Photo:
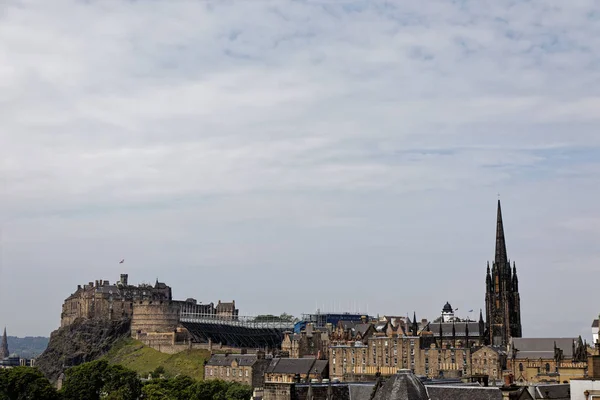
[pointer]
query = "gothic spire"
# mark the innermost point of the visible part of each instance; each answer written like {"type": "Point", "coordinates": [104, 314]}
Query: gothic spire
{"type": "Point", "coordinates": [4, 346]}
{"type": "Point", "coordinates": [501, 257]}
{"type": "Point", "coordinates": [415, 325]}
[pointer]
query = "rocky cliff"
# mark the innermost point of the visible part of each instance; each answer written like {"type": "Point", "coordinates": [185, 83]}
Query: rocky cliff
{"type": "Point", "coordinates": [82, 341]}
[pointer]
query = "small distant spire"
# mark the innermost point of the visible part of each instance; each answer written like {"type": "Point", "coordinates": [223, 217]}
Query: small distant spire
{"type": "Point", "coordinates": [4, 346]}
{"type": "Point", "coordinates": [415, 325]}
{"type": "Point", "coordinates": [480, 315]}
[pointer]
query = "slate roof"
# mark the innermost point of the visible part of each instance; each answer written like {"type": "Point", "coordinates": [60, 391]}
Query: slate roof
{"type": "Point", "coordinates": [460, 329]}
{"type": "Point", "coordinates": [301, 366]}
{"type": "Point", "coordinates": [225, 360]}
{"type": "Point", "coordinates": [556, 392]}
{"type": "Point", "coordinates": [360, 391]}
{"type": "Point", "coordinates": [595, 323]}
{"type": "Point", "coordinates": [534, 348]}
{"type": "Point", "coordinates": [361, 329]}
{"type": "Point", "coordinates": [442, 392]}
{"type": "Point", "coordinates": [402, 386]}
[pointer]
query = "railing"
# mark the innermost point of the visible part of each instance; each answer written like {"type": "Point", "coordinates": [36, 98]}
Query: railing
{"type": "Point", "coordinates": [237, 320]}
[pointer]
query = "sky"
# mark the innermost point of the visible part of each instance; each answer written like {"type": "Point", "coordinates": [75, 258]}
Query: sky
{"type": "Point", "coordinates": [295, 155]}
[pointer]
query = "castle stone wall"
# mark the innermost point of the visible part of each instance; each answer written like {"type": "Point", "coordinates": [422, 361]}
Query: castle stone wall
{"type": "Point", "coordinates": [155, 317]}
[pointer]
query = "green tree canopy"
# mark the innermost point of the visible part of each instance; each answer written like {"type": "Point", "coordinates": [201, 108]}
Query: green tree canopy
{"type": "Point", "coordinates": [98, 379]}
{"type": "Point", "coordinates": [24, 383]}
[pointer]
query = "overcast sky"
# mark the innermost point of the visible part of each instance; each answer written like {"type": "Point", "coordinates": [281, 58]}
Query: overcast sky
{"type": "Point", "coordinates": [300, 154]}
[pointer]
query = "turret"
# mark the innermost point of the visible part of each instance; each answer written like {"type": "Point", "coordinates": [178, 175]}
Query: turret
{"type": "Point", "coordinates": [515, 280]}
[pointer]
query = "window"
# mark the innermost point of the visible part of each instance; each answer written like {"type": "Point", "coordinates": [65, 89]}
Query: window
{"type": "Point", "coordinates": [547, 367]}
{"type": "Point", "coordinates": [521, 367]}
{"type": "Point", "coordinates": [211, 372]}
{"type": "Point", "coordinates": [246, 373]}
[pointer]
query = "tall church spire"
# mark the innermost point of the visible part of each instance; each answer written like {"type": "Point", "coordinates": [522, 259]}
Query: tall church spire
{"type": "Point", "coordinates": [4, 346]}
{"type": "Point", "coordinates": [502, 300]}
{"type": "Point", "coordinates": [501, 257]}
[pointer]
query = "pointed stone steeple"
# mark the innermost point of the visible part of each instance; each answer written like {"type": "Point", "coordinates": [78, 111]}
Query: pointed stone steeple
{"type": "Point", "coordinates": [501, 257]}
{"type": "Point", "coordinates": [502, 300]}
{"type": "Point", "coordinates": [4, 346]}
{"type": "Point", "coordinates": [415, 325]}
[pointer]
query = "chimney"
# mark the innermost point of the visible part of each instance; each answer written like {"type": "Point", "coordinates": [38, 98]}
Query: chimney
{"type": "Point", "coordinates": [78, 287]}
{"type": "Point", "coordinates": [260, 355]}
{"type": "Point", "coordinates": [124, 279]}
{"type": "Point", "coordinates": [106, 283]}
{"type": "Point", "coordinates": [508, 380]}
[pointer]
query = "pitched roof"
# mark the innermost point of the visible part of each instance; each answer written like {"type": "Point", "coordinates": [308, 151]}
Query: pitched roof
{"type": "Point", "coordinates": [224, 360]}
{"type": "Point", "coordinates": [444, 392]}
{"type": "Point", "coordinates": [459, 327]}
{"type": "Point", "coordinates": [534, 348]}
{"type": "Point", "coordinates": [302, 366]}
{"type": "Point", "coordinates": [595, 323]}
{"type": "Point", "coordinates": [558, 391]}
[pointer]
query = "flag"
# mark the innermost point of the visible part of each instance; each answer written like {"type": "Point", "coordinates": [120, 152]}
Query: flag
{"type": "Point", "coordinates": [122, 261]}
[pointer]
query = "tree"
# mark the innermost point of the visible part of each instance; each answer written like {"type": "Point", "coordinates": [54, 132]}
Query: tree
{"type": "Point", "coordinates": [24, 383]}
{"type": "Point", "coordinates": [238, 391]}
{"type": "Point", "coordinates": [97, 379]}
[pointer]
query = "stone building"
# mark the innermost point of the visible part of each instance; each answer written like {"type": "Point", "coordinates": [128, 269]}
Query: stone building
{"type": "Point", "coordinates": [502, 300]}
{"type": "Point", "coordinates": [101, 299]}
{"type": "Point", "coordinates": [310, 342]}
{"type": "Point", "coordinates": [247, 369]}
{"type": "Point", "coordinates": [226, 310]}
{"type": "Point", "coordinates": [556, 360]}
{"type": "Point", "coordinates": [290, 370]}
{"type": "Point", "coordinates": [490, 361]}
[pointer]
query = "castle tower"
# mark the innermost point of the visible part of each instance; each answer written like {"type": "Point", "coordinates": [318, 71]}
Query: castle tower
{"type": "Point", "coordinates": [502, 301]}
{"type": "Point", "coordinates": [4, 346]}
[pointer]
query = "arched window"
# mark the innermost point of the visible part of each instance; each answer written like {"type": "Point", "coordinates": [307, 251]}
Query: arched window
{"type": "Point", "coordinates": [521, 367]}
{"type": "Point", "coordinates": [547, 367]}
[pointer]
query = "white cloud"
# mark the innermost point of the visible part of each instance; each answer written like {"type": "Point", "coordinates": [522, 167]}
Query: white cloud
{"type": "Point", "coordinates": [277, 138]}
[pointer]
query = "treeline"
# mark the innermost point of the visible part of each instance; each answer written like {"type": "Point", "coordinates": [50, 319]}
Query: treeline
{"type": "Point", "coordinates": [99, 380]}
{"type": "Point", "coordinates": [27, 347]}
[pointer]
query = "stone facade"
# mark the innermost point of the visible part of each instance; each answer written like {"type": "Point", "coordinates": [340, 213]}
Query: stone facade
{"type": "Point", "coordinates": [247, 369]}
{"type": "Point", "coordinates": [553, 360]}
{"type": "Point", "coordinates": [490, 361]}
{"type": "Point", "coordinates": [308, 343]}
{"type": "Point", "coordinates": [103, 300]}
{"type": "Point", "coordinates": [385, 355]}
